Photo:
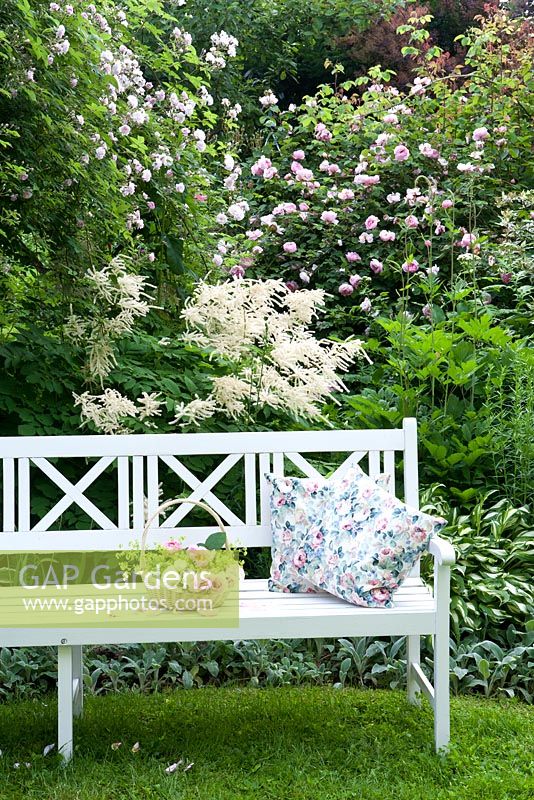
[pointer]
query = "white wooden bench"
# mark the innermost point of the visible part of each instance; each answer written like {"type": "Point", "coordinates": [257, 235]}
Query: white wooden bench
{"type": "Point", "coordinates": [134, 464]}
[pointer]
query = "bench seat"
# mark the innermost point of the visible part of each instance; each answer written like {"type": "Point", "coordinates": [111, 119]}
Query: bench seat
{"type": "Point", "coordinates": [285, 615]}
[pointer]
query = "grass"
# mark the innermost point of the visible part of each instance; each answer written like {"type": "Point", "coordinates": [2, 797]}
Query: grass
{"type": "Point", "coordinates": [281, 744]}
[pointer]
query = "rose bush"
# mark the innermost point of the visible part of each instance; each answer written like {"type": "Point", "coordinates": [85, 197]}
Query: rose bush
{"type": "Point", "coordinates": [374, 188]}
{"type": "Point", "coordinates": [392, 201]}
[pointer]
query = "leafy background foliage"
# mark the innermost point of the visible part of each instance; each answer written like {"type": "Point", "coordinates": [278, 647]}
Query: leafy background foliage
{"type": "Point", "coordinates": [464, 368]}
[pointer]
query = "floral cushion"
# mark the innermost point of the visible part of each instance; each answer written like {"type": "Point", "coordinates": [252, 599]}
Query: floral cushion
{"type": "Point", "coordinates": [347, 536]}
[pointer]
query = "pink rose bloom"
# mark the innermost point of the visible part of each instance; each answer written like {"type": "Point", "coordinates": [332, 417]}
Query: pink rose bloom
{"type": "Point", "coordinates": [299, 559]}
{"type": "Point", "coordinates": [412, 221]}
{"type": "Point", "coordinates": [387, 236]}
{"type": "Point", "coordinates": [506, 277]}
{"type": "Point", "coordinates": [371, 222]}
{"type": "Point", "coordinates": [172, 544]}
{"type": "Point", "coordinates": [411, 266]}
{"type": "Point", "coordinates": [352, 256]}
{"type": "Point", "coordinates": [394, 197]}
{"type": "Point", "coordinates": [303, 174]}
{"type": "Point", "coordinates": [366, 305]}
{"type": "Point", "coordinates": [401, 152]}
{"type": "Point", "coordinates": [253, 235]}
{"type": "Point", "coordinates": [367, 180]}
{"type": "Point", "coordinates": [346, 194]}
{"type": "Point", "coordinates": [391, 119]}
{"type": "Point", "coordinates": [260, 166]}
{"type": "Point", "coordinates": [355, 280]}
{"type": "Point", "coordinates": [426, 149]}
{"type": "Point", "coordinates": [467, 240]}
{"type": "Point", "coordinates": [304, 207]}
{"type": "Point", "coordinates": [238, 271]}
{"type": "Point", "coordinates": [480, 134]}
{"type": "Point", "coordinates": [447, 204]}
{"type": "Point", "coordinates": [365, 238]}
{"type": "Point", "coordinates": [382, 139]}
{"type": "Point", "coordinates": [290, 247]}
{"type": "Point", "coordinates": [296, 166]}
{"type": "Point", "coordinates": [427, 311]}
{"type": "Point", "coordinates": [376, 266]}
{"type": "Point", "coordinates": [322, 133]}
{"type": "Point", "coordinates": [330, 217]}
{"type": "Point", "coordinates": [345, 289]}
{"type": "Point", "coordinates": [292, 286]}
{"type": "Point", "coordinates": [299, 155]}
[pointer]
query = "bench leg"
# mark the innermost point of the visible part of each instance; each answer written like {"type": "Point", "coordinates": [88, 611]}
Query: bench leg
{"type": "Point", "coordinates": [65, 702]}
{"type": "Point", "coordinates": [413, 656]}
{"type": "Point", "coordinates": [441, 659]}
{"type": "Point", "coordinates": [77, 679]}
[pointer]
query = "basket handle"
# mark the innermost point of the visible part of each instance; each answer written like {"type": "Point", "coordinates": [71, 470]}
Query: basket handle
{"type": "Point", "coordinates": [177, 502]}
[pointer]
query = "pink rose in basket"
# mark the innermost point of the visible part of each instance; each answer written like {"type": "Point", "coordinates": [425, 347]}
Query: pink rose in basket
{"type": "Point", "coordinates": [172, 544]}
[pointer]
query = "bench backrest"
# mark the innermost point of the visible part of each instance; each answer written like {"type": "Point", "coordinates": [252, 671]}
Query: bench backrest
{"type": "Point", "coordinates": [131, 468]}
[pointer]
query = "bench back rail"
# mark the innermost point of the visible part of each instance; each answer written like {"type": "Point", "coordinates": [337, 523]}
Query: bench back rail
{"type": "Point", "coordinates": [132, 468]}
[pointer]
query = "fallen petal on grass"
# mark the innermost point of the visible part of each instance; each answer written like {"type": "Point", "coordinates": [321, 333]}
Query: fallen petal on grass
{"type": "Point", "coordinates": [173, 767]}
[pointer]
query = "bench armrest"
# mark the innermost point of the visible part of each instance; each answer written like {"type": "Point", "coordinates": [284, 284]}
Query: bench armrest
{"type": "Point", "coordinates": [442, 550]}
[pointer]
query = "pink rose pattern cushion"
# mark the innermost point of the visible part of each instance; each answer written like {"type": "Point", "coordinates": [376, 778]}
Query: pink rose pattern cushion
{"type": "Point", "coordinates": [348, 537]}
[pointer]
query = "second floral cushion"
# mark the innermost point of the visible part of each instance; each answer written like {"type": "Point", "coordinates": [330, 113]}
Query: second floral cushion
{"type": "Point", "coordinates": [349, 537]}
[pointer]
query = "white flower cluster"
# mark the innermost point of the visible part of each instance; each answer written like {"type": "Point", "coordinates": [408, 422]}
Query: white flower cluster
{"type": "Point", "coordinates": [262, 331]}
{"type": "Point", "coordinates": [110, 410]}
{"type": "Point", "coordinates": [119, 298]}
{"type": "Point", "coordinates": [232, 111]}
{"type": "Point", "coordinates": [183, 39]}
{"type": "Point", "coordinates": [268, 99]}
{"type": "Point", "coordinates": [223, 46]}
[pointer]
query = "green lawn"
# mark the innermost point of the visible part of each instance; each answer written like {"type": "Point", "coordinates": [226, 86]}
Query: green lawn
{"type": "Point", "coordinates": [291, 744]}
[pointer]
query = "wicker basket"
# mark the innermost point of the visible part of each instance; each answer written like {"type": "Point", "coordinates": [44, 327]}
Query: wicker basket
{"type": "Point", "coordinates": [169, 597]}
